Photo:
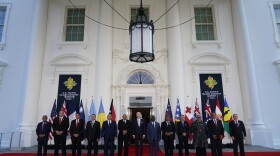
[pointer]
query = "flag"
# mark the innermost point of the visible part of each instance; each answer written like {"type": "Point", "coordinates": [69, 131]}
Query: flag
{"type": "Point", "coordinates": [53, 115]}
{"type": "Point", "coordinates": [112, 111]}
{"type": "Point", "coordinates": [101, 114]}
{"type": "Point", "coordinates": [169, 111]}
{"type": "Point", "coordinates": [196, 110]}
{"type": "Point", "coordinates": [189, 118]}
{"type": "Point", "coordinates": [81, 110]}
{"type": "Point", "coordinates": [208, 111]}
{"type": "Point", "coordinates": [218, 110]}
{"type": "Point", "coordinates": [91, 111]}
{"type": "Point", "coordinates": [227, 116]}
{"type": "Point", "coordinates": [64, 109]}
{"type": "Point", "coordinates": [178, 112]}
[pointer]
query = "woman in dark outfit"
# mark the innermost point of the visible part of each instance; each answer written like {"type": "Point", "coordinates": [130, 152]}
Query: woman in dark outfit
{"type": "Point", "coordinates": [199, 130]}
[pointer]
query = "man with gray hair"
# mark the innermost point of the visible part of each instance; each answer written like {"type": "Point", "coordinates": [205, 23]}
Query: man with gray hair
{"type": "Point", "coordinates": [139, 132]}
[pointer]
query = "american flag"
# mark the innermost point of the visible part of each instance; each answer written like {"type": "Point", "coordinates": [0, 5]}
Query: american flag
{"type": "Point", "coordinates": [169, 111]}
{"type": "Point", "coordinates": [52, 117]}
{"type": "Point", "coordinates": [64, 109]}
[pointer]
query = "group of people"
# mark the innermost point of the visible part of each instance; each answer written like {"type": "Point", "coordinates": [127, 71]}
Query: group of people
{"type": "Point", "coordinates": [139, 130]}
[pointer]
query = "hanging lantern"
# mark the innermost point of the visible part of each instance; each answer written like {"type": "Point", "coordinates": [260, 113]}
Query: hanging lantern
{"type": "Point", "coordinates": [141, 38]}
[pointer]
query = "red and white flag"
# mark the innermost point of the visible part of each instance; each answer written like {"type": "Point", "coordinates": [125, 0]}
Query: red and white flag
{"type": "Point", "coordinates": [196, 109]}
{"type": "Point", "coordinates": [189, 118]}
{"type": "Point", "coordinates": [218, 110]}
{"type": "Point", "coordinates": [207, 109]}
{"type": "Point", "coordinates": [64, 109]}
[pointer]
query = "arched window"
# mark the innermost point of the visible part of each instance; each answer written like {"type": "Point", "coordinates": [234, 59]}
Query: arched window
{"type": "Point", "coordinates": [140, 78]}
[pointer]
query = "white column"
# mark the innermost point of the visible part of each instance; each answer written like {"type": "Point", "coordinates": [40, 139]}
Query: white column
{"type": "Point", "coordinates": [34, 63]}
{"type": "Point", "coordinates": [257, 132]}
{"type": "Point", "coordinates": [175, 57]}
{"type": "Point", "coordinates": [104, 57]}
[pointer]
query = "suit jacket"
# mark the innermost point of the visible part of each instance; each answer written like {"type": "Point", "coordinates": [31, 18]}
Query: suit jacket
{"type": "Point", "coordinates": [93, 130]}
{"type": "Point", "coordinates": [46, 129]}
{"type": "Point", "coordinates": [183, 128]}
{"type": "Point", "coordinates": [153, 132]}
{"type": "Point", "coordinates": [63, 126]}
{"type": "Point", "coordinates": [109, 131]}
{"type": "Point", "coordinates": [124, 126]}
{"type": "Point", "coordinates": [215, 130]}
{"type": "Point", "coordinates": [77, 130]}
{"type": "Point", "coordinates": [138, 131]}
{"type": "Point", "coordinates": [237, 131]}
{"type": "Point", "coordinates": [169, 128]}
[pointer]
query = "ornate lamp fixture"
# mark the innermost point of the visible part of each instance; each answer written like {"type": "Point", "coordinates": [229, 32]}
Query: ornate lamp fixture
{"type": "Point", "coordinates": [141, 38]}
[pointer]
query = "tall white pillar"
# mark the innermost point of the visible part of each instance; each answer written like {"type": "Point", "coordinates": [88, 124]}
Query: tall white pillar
{"type": "Point", "coordinates": [257, 132]}
{"type": "Point", "coordinates": [103, 84]}
{"type": "Point", "coordinates": [34, 63]}
{"type": "Point", "coordinates": [175, 57]}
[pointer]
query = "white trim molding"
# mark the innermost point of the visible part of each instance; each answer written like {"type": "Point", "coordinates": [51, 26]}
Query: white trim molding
{"type": "Point", "coordinates": [74, 62]}
{"type": "Point", "coordinates": [2, 65]}
{"type": "Point", "coordinates": [131, 68]}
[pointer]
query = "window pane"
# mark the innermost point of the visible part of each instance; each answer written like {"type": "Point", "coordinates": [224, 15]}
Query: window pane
{"type": "Point", "coordinates": [75, 24]}
{"type": "Point", "coordinates": [134, 12]}
{"type": "Point", "coordinates": [204, 24]}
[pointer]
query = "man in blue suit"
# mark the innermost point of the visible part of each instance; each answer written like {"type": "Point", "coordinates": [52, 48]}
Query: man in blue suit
{"type": "Point", "coordinates": [43, 129]}
{"type": "Point", "coordinates": [153, 135]}
{"type": "Point", "coordinates": [109, 134]}
{"type": "Point", "coordinates": [138, 132]}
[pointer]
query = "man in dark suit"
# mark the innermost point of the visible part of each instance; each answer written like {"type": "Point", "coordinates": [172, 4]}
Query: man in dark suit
{"type": "Point", "coordinates": [216, 132]}
{"type": "Point", "coordinates": [43, 129]}
{"type": "Point", "coordinates": [76, 131]}
{"type": "Point", "coordinates": [168, 135]}
{"type": "Point", "coordinates": [153, 136]}
{"type": "Point", "coordinates": [109, 134]}
{"type": "Point", "coordinates": [93, 135]}
{"type": "Point", "coordinates": [237, 133]}
{"type": "Point", "coordinates": [138, 133]}
{"type": "Point", "coordinates": [60, 127]}
{"type": "Point", "coordinates": [183, 130]}
{"type": "Point", "coordinates": [124, 127]}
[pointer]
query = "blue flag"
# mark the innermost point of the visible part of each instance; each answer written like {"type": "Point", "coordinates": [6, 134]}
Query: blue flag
{"type": "Point", "coordinates": [91, 110]}
{"type": "Point", "coordinates": [169, 111]}
{"type": "Point", "coordinates": [81, 110]}
{"type": "Point", "coordinates": [178, 112]}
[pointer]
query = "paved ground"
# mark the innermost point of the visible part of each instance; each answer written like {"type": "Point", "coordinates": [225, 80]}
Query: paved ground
{"type": "Point", "coordinates": [248, 148]}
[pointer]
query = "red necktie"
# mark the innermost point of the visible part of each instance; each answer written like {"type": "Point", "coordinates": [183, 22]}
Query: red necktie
{"type": "Point", "coordinates": [60, 120]}
{"type": "Point", "coordinates": [216, 123]}
{"type": "Point", "coordinates": [77, 123]}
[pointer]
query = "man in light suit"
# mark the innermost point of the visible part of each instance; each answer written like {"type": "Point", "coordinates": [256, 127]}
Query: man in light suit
{"type": "Point", "coordinates": [183, 130]}
{"type": "Point", "coordinates": [43, 129]}
{"type": "Point", "coordinates": [93, 135]}
{"type": "Point", "coordinates": [168, 135]}
{"type": "Point", "coordinates": [109, 134]}
{"type": "Point", "coordinates": [216, 132]}
{"type": "Point", "coordinates": [139, 132]}
{"type": "Point", "coordinates": [76, 131]}
{"type": "Point", "coordinates": [153, 136]}
{"type": "Point", "coordinates": [124, 127]}
{"type": "Point", "coordinates": [60, 126]}
{"type": "Point", "coordinates": [237, 133]}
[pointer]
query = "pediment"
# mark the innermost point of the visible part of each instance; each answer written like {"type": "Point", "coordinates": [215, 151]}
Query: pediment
{"type": "Point", "coordinates": [209, 59]}
{"type": "Point", "coordinates": [70, 60]}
